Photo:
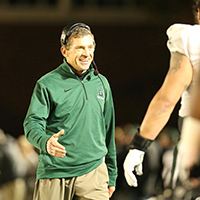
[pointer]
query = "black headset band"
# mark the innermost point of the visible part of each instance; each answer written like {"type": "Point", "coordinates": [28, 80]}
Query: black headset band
{"type": "Point", "coordinates": [67, 31]}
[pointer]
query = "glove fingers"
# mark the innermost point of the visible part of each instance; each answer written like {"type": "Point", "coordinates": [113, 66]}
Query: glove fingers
{"type": "Point", "coordinates": [133, 161]}
{"type": "Point", "coordinates": [130, 178]}
{"type": "Point", "coordinates": [138, 169]}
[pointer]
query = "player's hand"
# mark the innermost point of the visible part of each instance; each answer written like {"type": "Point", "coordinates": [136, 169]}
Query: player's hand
{"type": "Point", "coordinates": [54, 147]}
{"type": "Point", "coordinates": [133, 161]}
{"type": "Point", "coordinates": [111, 190]}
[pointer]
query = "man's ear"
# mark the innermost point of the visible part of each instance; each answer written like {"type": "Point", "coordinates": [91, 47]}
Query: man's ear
{"type": "Point", "coordinates": [63, 50]}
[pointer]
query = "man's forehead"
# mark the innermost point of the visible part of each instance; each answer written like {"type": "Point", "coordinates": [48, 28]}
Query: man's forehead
{"type": "Point", "coordinates": [85, 40]}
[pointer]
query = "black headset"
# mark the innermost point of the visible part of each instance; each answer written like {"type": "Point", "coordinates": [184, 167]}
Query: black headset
{"type": "Point", "coordinates": [68, 30]}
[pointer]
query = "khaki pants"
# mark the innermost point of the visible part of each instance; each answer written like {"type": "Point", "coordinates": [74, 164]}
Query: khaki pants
{"type": "Point", "coordinates": [91, 186]}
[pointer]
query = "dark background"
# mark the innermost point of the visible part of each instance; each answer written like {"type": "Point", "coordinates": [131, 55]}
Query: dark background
{"type": "Point", "coordinates": [133, 56]}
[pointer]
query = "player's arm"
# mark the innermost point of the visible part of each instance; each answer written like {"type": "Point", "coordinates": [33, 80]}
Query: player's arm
{"type": "Point", "coordinates": [178, 78]}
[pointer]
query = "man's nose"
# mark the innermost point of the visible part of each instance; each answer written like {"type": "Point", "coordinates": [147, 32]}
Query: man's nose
{"type": "Point", "coordinates": [86, 52]}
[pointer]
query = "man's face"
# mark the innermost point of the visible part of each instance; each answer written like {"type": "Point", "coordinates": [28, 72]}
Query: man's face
{"type": "Point", "coordinates": [80, 53]}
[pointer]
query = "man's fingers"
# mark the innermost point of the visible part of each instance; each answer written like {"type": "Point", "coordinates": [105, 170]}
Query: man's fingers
{"type": "Point", "coordinates": [111, 189]}
{"type": "Point", "coordinates": [57, 135]}
{"type": "Point", "coordinates": [57, 145]}
{"type": "Point", "coordinates": [58, 148]}
{"type": "Point", "coordinates": [54, 147]}
{"type": "Point", "coordinates": [55, 151]}
{"type": "Point", "coordinates": [130, 178]}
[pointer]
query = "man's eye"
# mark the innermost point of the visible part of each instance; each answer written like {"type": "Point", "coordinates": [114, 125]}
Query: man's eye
{"type": "Point", "coordinates": [91, 48]}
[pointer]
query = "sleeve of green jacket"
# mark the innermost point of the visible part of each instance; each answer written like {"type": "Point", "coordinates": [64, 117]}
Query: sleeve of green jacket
{"type": "Point", "coordinates": [110, 158]}
{"type": "Point", "coordinates": [35, 120]}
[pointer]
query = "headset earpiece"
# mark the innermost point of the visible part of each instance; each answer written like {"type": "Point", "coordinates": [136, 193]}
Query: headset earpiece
{"type": "Point", "coordinates": [69, 29]}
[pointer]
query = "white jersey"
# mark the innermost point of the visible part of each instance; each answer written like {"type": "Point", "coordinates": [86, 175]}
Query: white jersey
{"type": "Point", "coordinates": [185, 39]}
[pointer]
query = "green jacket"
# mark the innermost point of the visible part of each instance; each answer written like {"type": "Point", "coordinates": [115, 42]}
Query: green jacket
{"type": "Point", "coordinates": [85, 111]}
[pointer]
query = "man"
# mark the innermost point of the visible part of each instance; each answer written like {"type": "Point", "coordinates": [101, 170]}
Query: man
{"type": "Point", "coordinates": [184, 45]}
{"type": "Point", "coordinates": [71, 121]}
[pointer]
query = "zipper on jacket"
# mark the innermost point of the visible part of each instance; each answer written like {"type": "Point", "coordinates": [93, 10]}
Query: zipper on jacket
{"type": "Point", "coordinates": [84, 89]}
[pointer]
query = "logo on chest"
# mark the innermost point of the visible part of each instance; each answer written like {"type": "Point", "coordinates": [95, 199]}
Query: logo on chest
{"type": "Point", "coordinates": [100, 94]}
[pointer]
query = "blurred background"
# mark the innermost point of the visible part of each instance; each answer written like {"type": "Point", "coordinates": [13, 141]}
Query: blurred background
{"type": "Point", "coordinates": [131, 50]}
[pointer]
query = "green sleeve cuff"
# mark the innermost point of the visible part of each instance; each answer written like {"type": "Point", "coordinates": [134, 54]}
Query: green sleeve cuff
{"type": "Point", "coordinates": [112, 180]}
{"type": "Point", "coordinates": [43, 142]}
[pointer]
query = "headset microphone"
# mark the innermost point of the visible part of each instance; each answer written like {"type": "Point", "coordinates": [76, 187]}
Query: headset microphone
{"type": "Point", "coordinates": [96, 71]}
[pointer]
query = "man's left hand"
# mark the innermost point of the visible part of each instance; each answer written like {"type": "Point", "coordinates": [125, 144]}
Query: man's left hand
{"type": "Point", "coordinates": [111, 189]}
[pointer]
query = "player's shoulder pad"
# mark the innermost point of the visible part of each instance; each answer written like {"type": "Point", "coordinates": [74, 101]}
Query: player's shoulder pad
{"type": "Point", "coordinates": [178, 37]}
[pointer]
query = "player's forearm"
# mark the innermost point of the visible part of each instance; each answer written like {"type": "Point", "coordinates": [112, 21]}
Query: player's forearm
{"type": "Point", "coordinates": [156, 117]}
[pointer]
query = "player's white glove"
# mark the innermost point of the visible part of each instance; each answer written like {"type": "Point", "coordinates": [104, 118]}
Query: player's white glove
{"type": "Point", "coordinates": [133, 161]}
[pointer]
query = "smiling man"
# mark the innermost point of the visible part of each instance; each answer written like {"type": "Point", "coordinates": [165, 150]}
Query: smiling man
{"type": "Point", "coordinates": [71, 121]}
{"type": "Point", "coordinates": [80, 52]}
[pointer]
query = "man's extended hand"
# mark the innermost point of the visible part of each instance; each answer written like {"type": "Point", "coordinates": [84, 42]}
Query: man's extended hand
{"type": "Point", "coordinates": [133, 161]}
{"type": "Point", "coordinates": [54, 147]}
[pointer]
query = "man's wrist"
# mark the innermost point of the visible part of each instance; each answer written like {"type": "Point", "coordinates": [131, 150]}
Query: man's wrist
{"type": "Point", "coordinates": [140, 142]}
